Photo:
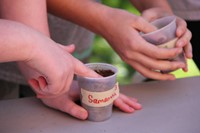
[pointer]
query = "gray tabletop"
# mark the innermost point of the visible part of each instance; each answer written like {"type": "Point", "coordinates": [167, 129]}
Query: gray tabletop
{"type": "Point", "coordinates": [168, 107]}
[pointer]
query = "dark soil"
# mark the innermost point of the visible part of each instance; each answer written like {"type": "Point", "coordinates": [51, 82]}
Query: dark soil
{"type": "Point", "coordinates": [104, 73]}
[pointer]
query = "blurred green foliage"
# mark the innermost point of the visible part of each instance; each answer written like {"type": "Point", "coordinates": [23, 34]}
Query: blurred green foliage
{"type": "Point", "coordinates": [123, 4]}
{"type": "Point", "coordinates": [102, 52]}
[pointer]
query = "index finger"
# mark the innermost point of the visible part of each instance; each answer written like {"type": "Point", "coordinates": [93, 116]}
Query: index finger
{"type": "Point", "coordinates": [153, 51]}
{"type": "Point", "coordinates": [82, 70]}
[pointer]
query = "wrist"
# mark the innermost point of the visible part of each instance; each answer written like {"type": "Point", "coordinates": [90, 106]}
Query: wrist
{"type": "Point", "coordinates": [106, 20]}
{"type": "Point", "coordinates": [94, 16]}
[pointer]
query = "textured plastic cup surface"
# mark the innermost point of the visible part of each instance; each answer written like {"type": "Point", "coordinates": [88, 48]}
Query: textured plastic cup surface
{"type": "Point", "coordinates": [166, 31]}
{"type": "Point", "coordinates": [98, 85]}
{"type": "Point", "coordinates": [165, 36]}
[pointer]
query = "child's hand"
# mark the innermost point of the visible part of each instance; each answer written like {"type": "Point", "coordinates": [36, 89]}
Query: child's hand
{"type": "Point", "coordinates": [66, 103]}
{"type": "Point", "coordinates": [127, 104]}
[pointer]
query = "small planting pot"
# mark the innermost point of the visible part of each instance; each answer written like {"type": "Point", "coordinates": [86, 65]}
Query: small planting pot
{"type": "Point", "coordinates": [165, 36]}
{"type": "Point", "coordinates": [98, 94]}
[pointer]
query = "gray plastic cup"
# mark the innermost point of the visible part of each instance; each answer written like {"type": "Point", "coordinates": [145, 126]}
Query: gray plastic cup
{"type": "Point", "coordinates": [98, 94]}
{"type": "Point", "coordinates": [164, 36]}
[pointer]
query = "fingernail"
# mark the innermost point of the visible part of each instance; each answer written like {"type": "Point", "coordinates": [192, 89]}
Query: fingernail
{"type": "Point", "coordinates": [179, 50]}
{"type": "Point", "coordinates": [139, 106]}
{"type": "Point", "coordinates": [82, 114]}
{"type": "Point", "coordinates": [190, 55]}
{"type": "Point", "coordinates": [185, 69]}
{"type": "Point", "coordinates": [172, 78]}
{"type": "Point", "coordinates": [182, 65]}
{"type": "Point", "coordinates": [180, 44]}
{"type": "Point", "coordinates": [134, 99]}
{"type": "Point", "coordinates": [131, 109]}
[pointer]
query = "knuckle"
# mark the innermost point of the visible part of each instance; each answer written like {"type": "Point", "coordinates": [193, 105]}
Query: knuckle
{"type": "Point", "coordinates": [127, 55]}
{"type": "Point", "coordinates": [189, 34]}
{"type": "Point", "coordinates": [172, 55]}
{"type": "Point", "coordinates": [85, 70]}
{"type": "Point", "coordinates": [130, 56]}
{"type": "Point", "coordinates": [184, 23]}
{"type": "Point", "coordinates": [139, 20]}
{"type": "Point", "coordinates": [172, 66]}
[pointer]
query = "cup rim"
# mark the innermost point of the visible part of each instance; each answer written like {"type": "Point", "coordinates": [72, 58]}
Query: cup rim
{"type": "Point", "coordinates": [168, 25]}
{"type": "Point", "coordinates": [112, 66]}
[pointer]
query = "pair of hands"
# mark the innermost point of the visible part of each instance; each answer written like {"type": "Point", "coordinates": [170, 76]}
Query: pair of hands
{"type": "Point", "coordinates": [59, 91]}
{"type": "Point", "coordinates": [122, 33]}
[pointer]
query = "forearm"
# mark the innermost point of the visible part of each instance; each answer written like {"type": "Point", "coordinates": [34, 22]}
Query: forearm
{"type": "Point", "coordinates": [142, 5]}
{"type": "Point", "coordinates": [16, 41]}
{"type": "Point", "coordinates": [30, 12]}
{"type": "Point", "coordinates": [86, 13]}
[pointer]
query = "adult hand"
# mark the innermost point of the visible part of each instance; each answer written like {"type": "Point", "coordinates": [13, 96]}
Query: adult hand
{"type": "Point", "coordinates": [50, 69]}
{"type": "Point", "coordinates": [121, 30]}
{"type": "Point", "coordinates": [182, 32]}
{"type": "Point", "coordinates": [67, 103]}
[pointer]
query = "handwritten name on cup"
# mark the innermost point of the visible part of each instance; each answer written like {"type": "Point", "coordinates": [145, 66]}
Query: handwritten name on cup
{"type": "Point", "coordinates": [100, 99]}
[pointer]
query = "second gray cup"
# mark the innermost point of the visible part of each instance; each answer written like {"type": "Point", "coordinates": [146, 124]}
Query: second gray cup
{"type": "Point", "coordinates": [164, 36]}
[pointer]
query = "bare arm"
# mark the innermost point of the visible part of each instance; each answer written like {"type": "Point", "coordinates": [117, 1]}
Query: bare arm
{"type": "Point", "coordinates": [30, 12]}
{"type": "Point", "coordinates": [88, 10]}
{"type": "Point", "coordinates": [86, 13]}
{"type": "Point", "coordinates": [120, 28]}
{"type": "Point", "coordinates": [142, 5]}
{"type": "Point", "coordinates": [15, 41]}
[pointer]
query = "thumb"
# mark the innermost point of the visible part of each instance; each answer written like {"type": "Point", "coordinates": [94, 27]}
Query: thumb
{"type": "Point", "coordinates": [144, 26]}
{"type": "Point", "coordinates": [36, 87]}
{"type": "Point", "coordinates": [40, 87]}
{"type": "Point", "coordinates": [65, 104]}
{"type": "Point", "coordinates": [82, 70]}
{"type": "Point", "coordinates": [75, 110]}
